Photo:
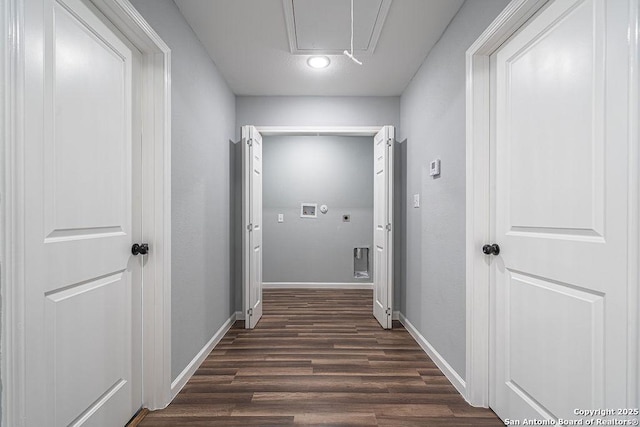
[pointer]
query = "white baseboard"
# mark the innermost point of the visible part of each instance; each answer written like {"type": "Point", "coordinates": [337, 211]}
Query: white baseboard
{"type": "Point", "coordinates": [442, 364]}
{"type": "Point", "coordinates": [192, 367]}
{"type": "Point", "coordinates": [315, 285]}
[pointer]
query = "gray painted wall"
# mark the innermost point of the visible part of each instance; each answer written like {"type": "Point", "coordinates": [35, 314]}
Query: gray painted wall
{"type": "Point", "coordinates": [433, 124]}
{"type": "Point", "coordinates": [331, 170]}
{"type": "Point", "coordinates": [318, 110]}
{"type": "Point", "coordinates": [203, 122]}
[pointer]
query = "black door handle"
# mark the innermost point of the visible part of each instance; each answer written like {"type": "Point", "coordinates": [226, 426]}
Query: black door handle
{"type": "Point", "coordinates": [491, 249]}
{"type": "Point", "coordinates": [140, 249]}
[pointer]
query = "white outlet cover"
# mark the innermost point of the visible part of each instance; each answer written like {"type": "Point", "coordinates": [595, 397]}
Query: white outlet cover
{"type": "Point", "coordinates": [434, 167]}
{"type": "Point", "coordinates": [280, 217]}
{"type": "Point", "coordinates": [416, 200]}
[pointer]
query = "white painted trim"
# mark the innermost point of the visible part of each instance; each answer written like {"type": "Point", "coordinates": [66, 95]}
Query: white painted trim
{"type": "Point", "coordinates": [315, 285]}
{"type": "Point", "coordinates": [156, 197]}
{"type": "Point", "coordinates": [633, 360]}
{"type": "Point", "coordinates": [12, 216]}
{"type": "Point", "coordinates": [157, 228]}
{"type": "Point", "coordinates": [455, 379]}
{"type": "Point", "coordinates": [319, 130]}
{"type": "Point", "coordinates": [290, 23]}
{"type": "Point", "coordinates": [478, 114]}
{"type": "Point", "coordinates": [193, 366]}
{"type": "Point", "coordinates": [289, 18]}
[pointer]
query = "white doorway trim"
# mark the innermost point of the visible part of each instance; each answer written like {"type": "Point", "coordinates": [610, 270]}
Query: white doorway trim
{"type": "Point", "coordinates": [315, 131]}
{"type": "Point", "coordinates": [319, 130]}
{"type": "Point", "coordinates": [479, 202]}
{"type": "Point", "coordinates": [156, 149]}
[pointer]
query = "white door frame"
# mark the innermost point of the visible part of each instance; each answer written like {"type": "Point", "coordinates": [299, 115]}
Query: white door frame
{"type": "Point", "coordinates": [156, 154]}
{"type": "Point", "coordinates": [478, 197]}
{"type": "Point", "coordinates": [319, 130]}
{"type": "Point", "coordinates": [316, 131]}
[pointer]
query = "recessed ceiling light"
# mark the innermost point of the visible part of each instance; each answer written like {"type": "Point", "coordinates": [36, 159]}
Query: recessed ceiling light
{"type": "Point", "coordinates": [318, 62]}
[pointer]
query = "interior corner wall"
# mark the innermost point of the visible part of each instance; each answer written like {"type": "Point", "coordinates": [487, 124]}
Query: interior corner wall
{"type": "Point", "coordinates": [203, 126]}
{"type": "Point", "coordinates": [433, 125]}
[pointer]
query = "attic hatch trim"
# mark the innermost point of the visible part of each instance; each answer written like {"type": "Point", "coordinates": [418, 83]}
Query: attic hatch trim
{"type": "Point", "coordinates": [373, 42]}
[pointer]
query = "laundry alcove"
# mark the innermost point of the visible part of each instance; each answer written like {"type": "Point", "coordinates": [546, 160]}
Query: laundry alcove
{"type": "Point", "coordinates": [329, 170]}
{"type": "Point", "coordinates": [346, 176]}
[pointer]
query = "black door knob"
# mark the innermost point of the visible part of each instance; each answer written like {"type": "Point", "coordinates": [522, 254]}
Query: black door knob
{"type": "Point", "coordinates": [491, 249]}
{"type": "Point", "coordinates": [140, 249]}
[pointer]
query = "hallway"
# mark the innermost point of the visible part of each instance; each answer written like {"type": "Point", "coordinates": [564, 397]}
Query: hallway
{"type": "Point", "coordinates": [319, 357]}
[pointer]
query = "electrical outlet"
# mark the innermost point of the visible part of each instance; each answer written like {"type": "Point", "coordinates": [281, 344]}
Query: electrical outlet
{"type": "Point", "coordinates": [416, 200]}
{"type": "Point", "coordinates": [280, 217]}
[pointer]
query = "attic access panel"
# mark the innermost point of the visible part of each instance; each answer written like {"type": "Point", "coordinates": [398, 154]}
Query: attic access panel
{"type": "Point", "coordinates": [324, 26]}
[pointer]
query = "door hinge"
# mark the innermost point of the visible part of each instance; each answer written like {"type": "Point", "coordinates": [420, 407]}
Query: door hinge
{"type": "Point", "coordinates": [250, 142]}
{"type": "Point", "coordinates": [250, 312]}
{"type": "Point", "coordinates": [388, 311]}
{"type": "Point", "coordinates": [389, 227]}
{"type": "Point", "coordinates": [250, 227]}
{"type": "Point", "coordinates": [389, 142]}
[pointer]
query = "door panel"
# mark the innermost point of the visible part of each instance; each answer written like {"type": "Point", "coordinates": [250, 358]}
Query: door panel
{"type": "Point", "coordinates": [91, 355]}
{"type": "Point", "coordinates": [561, 332]}
{"type": "Point", "coordinates": [383, 219]}
{"type": "Point", "coordinates": [88, 72]}
{"type": "Point", "coordinates": [79, 188]}
{"type": "Point", "coordinates": [556, 94]}
{"type": "Point", "coordinates": [252, 214]}
{"type": "Point", "coordinates": [561, 184]}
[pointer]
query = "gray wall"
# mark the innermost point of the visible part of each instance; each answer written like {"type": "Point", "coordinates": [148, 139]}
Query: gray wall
{"type": "Point", "coordinates": [203, 122]}
{"type": "Point", "coordinates": [331, 170]}
{"type": "Point", "coordinates": [318, 110]}
{"type": "Point", "coordinates": [433, 123]}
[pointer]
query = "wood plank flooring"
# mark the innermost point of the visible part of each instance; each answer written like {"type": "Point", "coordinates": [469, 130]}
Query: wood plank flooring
{"type": "Point", "coordinates": [318, 357]}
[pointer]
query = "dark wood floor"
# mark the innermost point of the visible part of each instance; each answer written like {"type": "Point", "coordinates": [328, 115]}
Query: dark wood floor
{"type": "Point", "coordinates": [319, 357]}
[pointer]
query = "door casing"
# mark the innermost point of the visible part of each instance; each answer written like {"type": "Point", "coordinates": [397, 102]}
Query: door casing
{"type": "Point", "coordinates": [156, 184]}
{"type": "Point", "coordinates": [318, 131]}
{"type": "Point", "coordinates": [479, 198]}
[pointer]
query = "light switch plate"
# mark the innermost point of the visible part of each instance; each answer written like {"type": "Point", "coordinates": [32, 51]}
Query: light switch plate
{"type": "Point", "coordinates": [434, 167]}
{"type": "Point", "coordinates": [416, 200]}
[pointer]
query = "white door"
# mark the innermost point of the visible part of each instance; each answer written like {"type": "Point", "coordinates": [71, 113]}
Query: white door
{"type": "Point", "coordinates": [252, 224]}
{"type": "Point", "coordinates": [561, 281]}
{"type": "Point", "coordinates": [383, 226]}
{"type": "Point", "coordinates": [81, 278]}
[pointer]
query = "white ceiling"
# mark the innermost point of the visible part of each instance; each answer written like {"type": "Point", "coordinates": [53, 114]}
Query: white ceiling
{"type": "Point", "coordinates": [247, 39]}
